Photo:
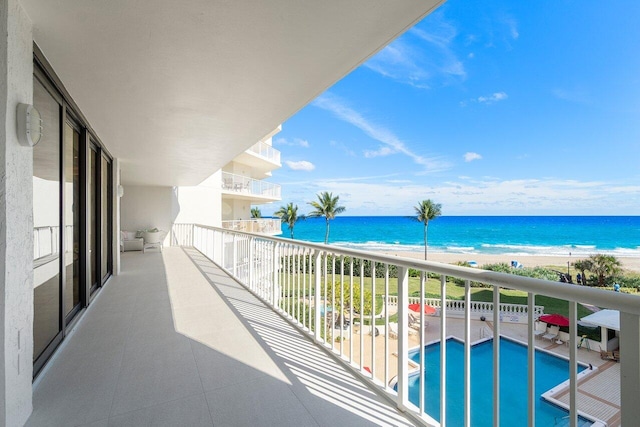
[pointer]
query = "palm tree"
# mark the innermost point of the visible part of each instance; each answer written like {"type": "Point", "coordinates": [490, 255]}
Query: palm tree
{"type": "Point", "coordinates": [255, 213]}
{"type": "Point", "coordinates": [289, 215]}
{"type": "Point", "coordinates": [326, 206]}
{"type": "Point", "coordinates": [604, 266]}
{"type": "Point", "coordinates": [583, 265]}
{"type": "Point", "coordinates": [426, 211]}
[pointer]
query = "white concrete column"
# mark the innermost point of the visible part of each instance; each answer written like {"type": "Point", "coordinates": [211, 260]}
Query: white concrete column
{"type": "Point", "coordinates": [16, 218]}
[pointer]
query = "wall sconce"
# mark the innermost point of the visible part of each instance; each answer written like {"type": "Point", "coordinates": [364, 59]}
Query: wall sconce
{"type": "Point", "coordinates": [120, 191]}
{"type": "Point", "coordinates": [29, 125]}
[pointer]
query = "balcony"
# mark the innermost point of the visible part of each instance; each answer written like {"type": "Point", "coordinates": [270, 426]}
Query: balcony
{"type": "Point", "coordinates": [174, 340]}
{"type": "Point", "coordinates": [297, 279]}
{"type": "Point", "coordinates": [257, 225]}
{"type": "Point", "coordinates": [237, 328]}
{"type": "Point", "coordinates": [261, 157]}
{"type": "Point", "coordinates": [242, 187]}
{"type": "Point", "coordinates": [266, 151]}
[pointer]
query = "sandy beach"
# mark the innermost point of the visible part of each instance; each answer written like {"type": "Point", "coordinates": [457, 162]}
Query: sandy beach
{"type": "Point", "coordinates": [628, 263]}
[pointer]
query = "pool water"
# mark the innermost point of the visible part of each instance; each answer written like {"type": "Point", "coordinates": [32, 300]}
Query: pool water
{"type": "Point", "coordinates": [550, 371]}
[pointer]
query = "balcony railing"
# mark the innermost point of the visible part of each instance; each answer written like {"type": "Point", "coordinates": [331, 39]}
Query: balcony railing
{"type": "Point", "coordinates": [257, 225]}
{"type": "Point", "coordinates": [46, 241]}
{"type": "Point", "coordinates": [267, 151]}
{"type": "Point", "coordinates": [244, 185]}
{"type": "Point", "coordinates": [323, 290]}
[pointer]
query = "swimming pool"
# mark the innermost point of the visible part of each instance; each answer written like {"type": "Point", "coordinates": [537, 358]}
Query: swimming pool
{"type": "Point", "coordinates": [550, 371]}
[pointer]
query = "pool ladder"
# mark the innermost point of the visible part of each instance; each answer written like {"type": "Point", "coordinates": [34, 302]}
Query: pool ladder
{"type": "Point", "coordinates": [486, 332]}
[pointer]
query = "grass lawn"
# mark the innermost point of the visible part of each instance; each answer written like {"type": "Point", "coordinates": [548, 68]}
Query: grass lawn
{"type": "Point", "coordinates": [456, 292]}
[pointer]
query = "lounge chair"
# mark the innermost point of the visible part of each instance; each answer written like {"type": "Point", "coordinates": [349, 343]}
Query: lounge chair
{"type": "Point", "coordinates": [393, 330]}
{"type": "Point", "coordinates": [414, 322]}
{"type": "Point", "coordinates": [565, 338]}
{"type": "Point", "coordinates": [608, 355]}
{"type": "Point", "coordinates": [616, 355]}
{"type": "Point", "coordinates": [540, 329]}
{"type": "Point", "coordinates": [552, 333]}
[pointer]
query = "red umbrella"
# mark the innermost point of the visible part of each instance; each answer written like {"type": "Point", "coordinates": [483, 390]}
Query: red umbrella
{"type": "Point", "coordinates": [554, 319]}
{"type": "Point", "coordinates": [427, 308]}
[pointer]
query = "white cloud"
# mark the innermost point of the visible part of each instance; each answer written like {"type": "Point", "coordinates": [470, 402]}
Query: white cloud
{"type": "Point", "coordinates": [471, 156]}
{"type": "Point", "coordinates": [391, 143]}
{"type": "Point", "coordinates": [296, 142]}
{"type": "Point", "coordinates": [421, 56]}
{"type": "Point", "coordinates": [346, 150]}
{"type": "Point", "coordinates": [301, 165]}
{"type": "Point", "coordinates": [483, 196]}
{"type": "Point", "coordinates": [381, 152]}
{"type": "Point", "coordinates": [497, 96]}
{"type": "Point", "coordinates": [512, 24]}
{"type": "Point", "coordinates": [488, 100]}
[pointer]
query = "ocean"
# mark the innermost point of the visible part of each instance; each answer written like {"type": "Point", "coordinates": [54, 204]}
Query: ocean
{"type": "Point", "coordinates": [508, 235]}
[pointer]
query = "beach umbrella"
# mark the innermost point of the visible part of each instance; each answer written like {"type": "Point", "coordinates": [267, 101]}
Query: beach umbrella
{"type": "Point", "coordinates": [554, 319]}
{"type": "Point", "coordinates": [427, 308]}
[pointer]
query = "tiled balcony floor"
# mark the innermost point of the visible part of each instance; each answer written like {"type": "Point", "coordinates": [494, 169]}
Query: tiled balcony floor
{"type": "Point", "coordinates": [174, 341]}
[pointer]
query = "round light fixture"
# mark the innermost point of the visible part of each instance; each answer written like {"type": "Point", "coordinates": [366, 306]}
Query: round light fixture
{"type": "Point", "coordinates": [29, 125]}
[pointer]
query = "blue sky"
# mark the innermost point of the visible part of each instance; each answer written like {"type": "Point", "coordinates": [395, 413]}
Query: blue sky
{"type": "Point", "coordinates": [489, 108]}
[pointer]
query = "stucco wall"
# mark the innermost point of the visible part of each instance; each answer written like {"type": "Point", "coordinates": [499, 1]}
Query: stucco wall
{"type": "Point", "coordinates": [16, 218]}
{"type": "Point", "coordinates": [201, 204]}
{"type": "Point", "coordinates": [143, 207]}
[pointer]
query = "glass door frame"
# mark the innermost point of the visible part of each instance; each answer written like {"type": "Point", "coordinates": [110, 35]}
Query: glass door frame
{"type": "Point", "coordinates": [103, 276]}
{"type": "Point", "coordinates": [44, 356]}
{"type": "Point", "coordinates": [92, 183]}
{"type": "Point", "coordinates": [70, 120]}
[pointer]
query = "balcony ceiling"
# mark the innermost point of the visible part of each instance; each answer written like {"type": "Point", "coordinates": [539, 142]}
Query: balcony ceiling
{"type": "Point", "coordinates": [176, 89]}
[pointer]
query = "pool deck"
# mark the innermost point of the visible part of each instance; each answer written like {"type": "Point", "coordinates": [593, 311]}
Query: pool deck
{"type": "Point", "coordinates": [598, 394]}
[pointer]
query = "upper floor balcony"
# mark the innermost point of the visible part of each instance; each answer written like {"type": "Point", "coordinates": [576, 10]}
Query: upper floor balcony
{"type": "Point", "coordinates": [256, 225]}
{"type": "Point", "coordinates": [261, 157]}
{"type": "Point", "coordinates": [242, 187]}
{"type": "Point", "coordinates": [244, 329]}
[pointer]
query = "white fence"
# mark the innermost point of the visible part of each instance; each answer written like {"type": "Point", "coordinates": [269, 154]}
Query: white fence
{"type": "Point", "coordinates": [513, 313]}
{"type": "Point", "coordinates": [321, 288]}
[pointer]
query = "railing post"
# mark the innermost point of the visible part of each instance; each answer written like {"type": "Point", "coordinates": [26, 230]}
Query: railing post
{"type": "Point", "coordinates": [275, 282]}
{"type": "Point", "coordinates": [573, 364]}
{"type": "Point", "coordinates": [531, 361]}
{"type": "Point", "coordinates": [223, 237]}
{"type": "Point", "coordinates": [235, 256]}
{"type": "Point", "coordinates": [252, 242]}
{"type": "Point", "coordinates": [467, 353]}
{"type": "Point", "coordinates": [316, 295]}
{"type": "Point", "coordinates": [403, 342]}
{"type": "Point", "coordinates": [629, 368]}
{"type": "Point", "coordinates": [496, 355]}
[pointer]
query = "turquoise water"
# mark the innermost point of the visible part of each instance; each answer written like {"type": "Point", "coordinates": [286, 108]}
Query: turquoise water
{"type": "Point", "coordinates": [514, 235]}
{"type": "Point", "coordinates": [550, 371]}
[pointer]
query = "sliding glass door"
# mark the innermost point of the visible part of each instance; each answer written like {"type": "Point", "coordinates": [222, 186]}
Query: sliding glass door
{"type": "Point", "coordinates": [47, 322]}
{"type": "Point", "coordinates": [73, 224]}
